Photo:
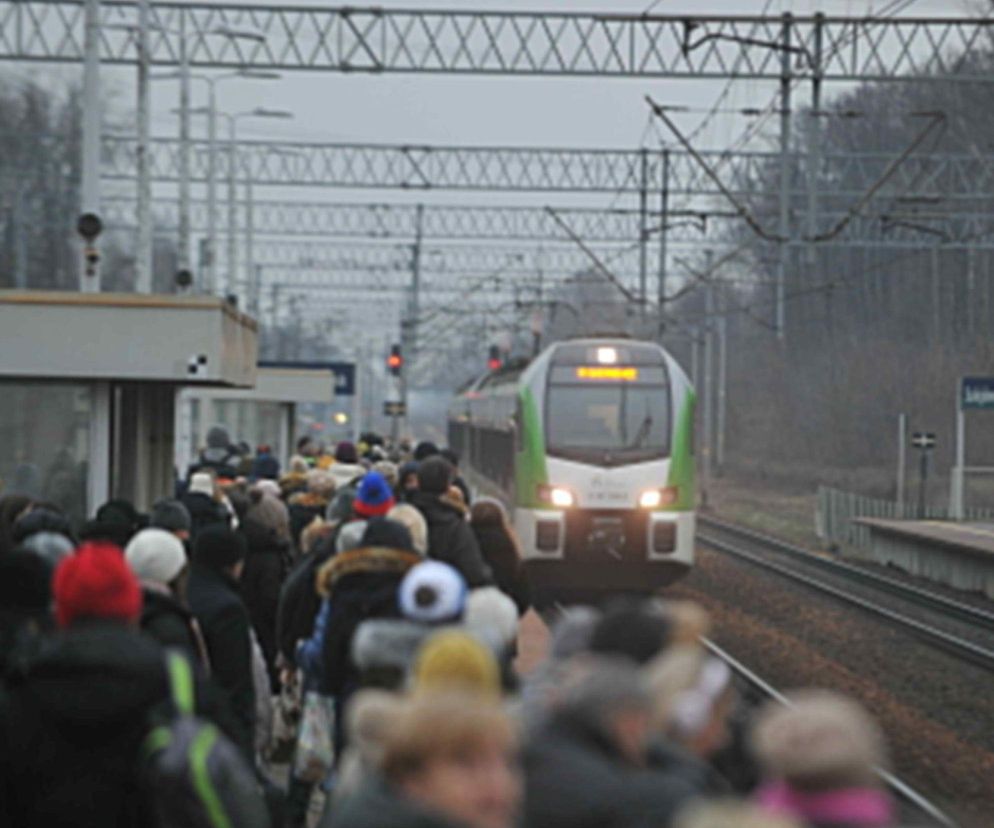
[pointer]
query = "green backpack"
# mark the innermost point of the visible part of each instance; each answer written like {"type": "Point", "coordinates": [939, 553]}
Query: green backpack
{"type": "Point", "coordinates": [195, 776]}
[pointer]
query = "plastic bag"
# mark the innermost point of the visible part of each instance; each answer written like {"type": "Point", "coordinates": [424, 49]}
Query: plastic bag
{"type": "Point", "coordinates": [286, 723]}
{"type": "Point", "coordinates": [315, 749]}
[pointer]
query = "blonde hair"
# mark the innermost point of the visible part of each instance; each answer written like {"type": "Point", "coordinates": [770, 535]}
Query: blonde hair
{"type": "Point", "coordinates": [683, 692]}
{"type": "Point", "coordinates": [442, 726]}
{"type": "Point", "coordinates": [321, 483]}
{"type": "Point", "coordinates": [389, 470]}
{"type": "Point", "coordinates": [823, 740]}
{"type": "Point", "coordinates": [312, 534]}
{"type": "Point", "coordinates": [411, 517]}
{"type": "Point", "coordinates": [298, 465]}
{"type": "Point", "coordinates": [690, 622]}
{"type": "Point", "coordinates": [730, 814]}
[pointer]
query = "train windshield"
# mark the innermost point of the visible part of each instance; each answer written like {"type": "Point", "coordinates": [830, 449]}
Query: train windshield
{"type": "Point", "coordinates": [608, 423]}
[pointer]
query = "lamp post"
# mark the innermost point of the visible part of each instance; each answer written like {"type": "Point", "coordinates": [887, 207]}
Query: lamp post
{"type": "Point", "coordinates": [211, 275]}
{"type": "Point", "coordinates": [251, 277]}
{"type": "Point", "coordinates": [140, 32]}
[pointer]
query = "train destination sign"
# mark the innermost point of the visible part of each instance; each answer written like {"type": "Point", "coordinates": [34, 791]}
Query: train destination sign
{"type": "Point", "coordinates": [977, 392]}
{"type": "Point", "coordinates": [607, 372]}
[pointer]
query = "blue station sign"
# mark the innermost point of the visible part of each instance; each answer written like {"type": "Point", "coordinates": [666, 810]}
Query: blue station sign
{"type": "Point", "coordinates": [977, 392]}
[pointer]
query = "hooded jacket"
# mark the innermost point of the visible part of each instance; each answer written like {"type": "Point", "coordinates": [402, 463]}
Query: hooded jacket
{"type": "Point", "coordinates": [450, 537]}
{"type": "Point", "coordinates": [72, 728]}
{"type": "Point", "coordinates": [575, 778]}
{"type": "Point", "coordinates": [359, 584]}
{"type": "Point", "coordinates": [345, 473]}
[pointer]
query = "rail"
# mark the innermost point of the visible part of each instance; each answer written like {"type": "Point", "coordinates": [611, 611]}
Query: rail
{"type": "Point", "coordinates": [955, 645]}
{"type": "Point", "coordinates": [900, 788]}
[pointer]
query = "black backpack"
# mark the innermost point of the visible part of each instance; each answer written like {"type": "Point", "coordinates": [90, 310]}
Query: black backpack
{"type": "Point", "coordinates": [195, 776]}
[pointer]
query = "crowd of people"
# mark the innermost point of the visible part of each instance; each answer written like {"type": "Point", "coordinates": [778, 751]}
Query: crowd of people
{"type": "Point", "coordinates": [335, 644]}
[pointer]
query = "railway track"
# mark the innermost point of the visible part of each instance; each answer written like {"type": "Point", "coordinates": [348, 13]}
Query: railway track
{"type": "Point", "coordinates": [914, 805]}
{"type": "Point", "coordinates": [955, 627]}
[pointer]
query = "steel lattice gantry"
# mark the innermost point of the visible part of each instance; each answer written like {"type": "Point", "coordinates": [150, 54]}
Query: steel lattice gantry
{"type": "Point", "coordinates": [538, 169]}
{"type": "Point", "coordinates": [356, 220]}
{"type": "Point", "coordinates": [457, 260]}
{"type": "Point", "coordinates": [351, 39]}
{"type": "Point", "coordinates": [905, 226]}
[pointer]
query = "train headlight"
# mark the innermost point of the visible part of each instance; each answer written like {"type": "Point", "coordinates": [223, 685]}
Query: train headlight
{"type": "Point", "coordinates": [650, 499]}
{"type": "Point", "coordinates": [558, 496]}
{"type": "Point", "coordinates": [655, 498]}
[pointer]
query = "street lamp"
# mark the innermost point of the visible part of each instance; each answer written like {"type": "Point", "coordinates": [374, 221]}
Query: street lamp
{"type": "Point", "coordinates": [252, 280]}
{"type": "Point", "coordinates": [210, 280]}
{"type": "Point", "coordinates": [140, 31]}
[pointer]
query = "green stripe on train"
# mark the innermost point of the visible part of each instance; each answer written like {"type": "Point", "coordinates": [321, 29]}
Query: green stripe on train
{"type": "Point", "coordinates": [530, 469]}
{"type": "Point", "coordinates": [683, 470]}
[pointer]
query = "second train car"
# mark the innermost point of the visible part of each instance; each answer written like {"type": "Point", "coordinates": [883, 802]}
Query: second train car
{"type": "Point", "coordinates": [590, 446]}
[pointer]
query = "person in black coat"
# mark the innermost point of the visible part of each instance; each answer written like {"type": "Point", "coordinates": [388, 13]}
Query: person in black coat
{"type": "Point", "coordinates": [73, 721]}
{"type": "Point", "coordinates": [587, 767]}
{"type": "Point", "coordinates": [501, 551]}
{"type": "Point", "coordinates": [218, 560]}
{"type": "Point", "coordinates": [205, 510]}
{"type": "Point", "coordinates": [450, 538]}
{"type": "Point", "coordinates": [266, 529]}
{"type": "Point", "coordinates": [158, 559]}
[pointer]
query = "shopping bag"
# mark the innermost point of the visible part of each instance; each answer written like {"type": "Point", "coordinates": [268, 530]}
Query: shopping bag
{"type": "Point", "coordinates": [315, 749]}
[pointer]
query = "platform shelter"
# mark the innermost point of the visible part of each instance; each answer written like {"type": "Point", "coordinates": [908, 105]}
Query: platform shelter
{"type": "Point", "coordinates": [88, 386]}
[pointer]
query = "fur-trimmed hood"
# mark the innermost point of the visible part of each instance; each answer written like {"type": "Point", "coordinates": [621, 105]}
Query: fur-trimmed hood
{"type": "Point", "coordinates": [364, 560]}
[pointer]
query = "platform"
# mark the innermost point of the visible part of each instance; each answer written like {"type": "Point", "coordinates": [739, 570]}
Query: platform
{"type": "Point", "coordinates": [960, 555]}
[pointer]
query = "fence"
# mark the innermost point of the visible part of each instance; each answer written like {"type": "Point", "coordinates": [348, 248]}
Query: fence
{"type": "Point", "coordinates": [837, 512]}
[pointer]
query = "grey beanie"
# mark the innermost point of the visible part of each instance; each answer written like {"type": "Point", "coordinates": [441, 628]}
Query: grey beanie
{"type": "Point", "coordinates": [170, 515]}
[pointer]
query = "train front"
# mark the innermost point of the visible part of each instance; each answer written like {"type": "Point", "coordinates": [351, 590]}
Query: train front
{"type": "Point", "coordinates": [605, 484]}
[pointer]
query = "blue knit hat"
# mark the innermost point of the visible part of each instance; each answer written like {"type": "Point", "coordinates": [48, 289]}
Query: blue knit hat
{"type": "Point", "coordinates": [375, 497]}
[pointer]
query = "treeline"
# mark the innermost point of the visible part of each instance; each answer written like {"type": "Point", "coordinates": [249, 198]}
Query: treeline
{"type": "Point", "coordinates": [871, 331]}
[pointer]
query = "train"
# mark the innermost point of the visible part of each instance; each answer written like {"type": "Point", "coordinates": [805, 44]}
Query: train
{"type": "Point", "coordinates": [590, 446]}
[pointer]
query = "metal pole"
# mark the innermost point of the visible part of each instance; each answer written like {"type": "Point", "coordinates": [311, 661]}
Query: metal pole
{"type": "Point", "coordinates": [143, 254]}
{"type": "Point", "coordinates": [902, 454]}
{"type": "Point", "coordinates": [664, 198]}
{"type": "Point", "coordinates": [936, 298]}
{"type": "Point", "coordinates": [92, 108]}
{"type": "Point", "coordinates": [922, 482]}
{"type": "Point", "coordinates": [784, 245]}
{"type": "Point", "coordinates": [959, 472]}
{"type": "Point", "coordinates": [814, 141]}
{"type": "Point", "coordinates": [251, 286]}
{"type": "Point", "coordinates": [232, 206]}
{"type": "Point", "coordinates": [184, 148]}
{"type": "Point", "coordinates": [643, 232]}
{"type": "Point", "coordinates": [707, 446]}
{"type": "Point", "coordinates": [210, 276]}
{"type": "Point", "coordinates": [722, 324]}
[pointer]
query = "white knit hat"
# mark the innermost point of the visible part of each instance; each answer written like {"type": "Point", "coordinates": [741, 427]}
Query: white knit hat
{"type": "Point", "coordinates": [201, 482]}
{"type": "Point", "coordinates": [492, 616]}
{"type": "Point", "coordinates": [432, 592]}
{"type": "Point", "coordinates": [155, 555]}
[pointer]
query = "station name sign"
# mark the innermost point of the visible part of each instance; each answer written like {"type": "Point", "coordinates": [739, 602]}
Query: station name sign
{"type": "Point", "coordinates": [977, 392]}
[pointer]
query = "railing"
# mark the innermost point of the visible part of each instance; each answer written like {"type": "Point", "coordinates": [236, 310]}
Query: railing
{"type": "Point", "coordinates": [837, 512]}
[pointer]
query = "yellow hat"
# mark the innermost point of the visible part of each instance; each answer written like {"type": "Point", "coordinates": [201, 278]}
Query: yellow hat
{"type": "Point", "coordinates": [454, 660]}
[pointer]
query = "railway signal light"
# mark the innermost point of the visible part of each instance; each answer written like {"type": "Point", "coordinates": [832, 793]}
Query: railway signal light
{"type": "Point", "coordinates": [395, 361]}
{"type": "Point", "coordinates": [494, 361]}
